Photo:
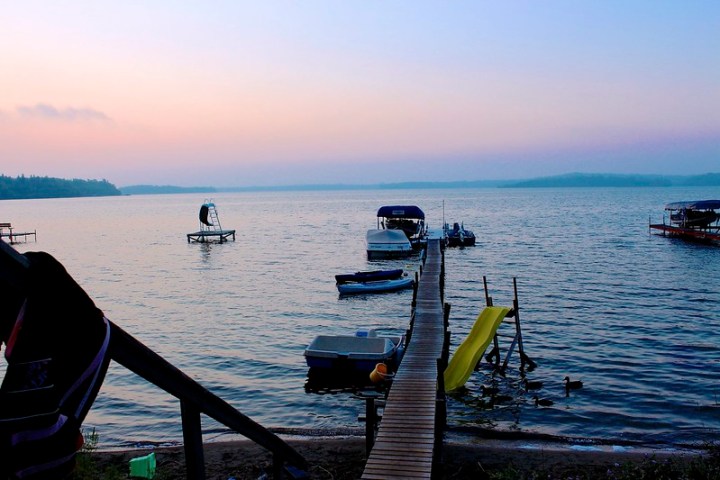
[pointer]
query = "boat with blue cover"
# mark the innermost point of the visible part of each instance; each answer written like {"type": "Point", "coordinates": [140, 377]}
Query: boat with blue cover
{"type": "Point", "coordinates": [400, 231]}
{"type": "Point", "coordinates": [379, 286]}
{"type": "Point", "coordinates": [369, 276]}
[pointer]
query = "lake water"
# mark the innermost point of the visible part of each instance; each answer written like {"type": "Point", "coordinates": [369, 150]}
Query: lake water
{"type": "Point", "coordinates": [633, 315]}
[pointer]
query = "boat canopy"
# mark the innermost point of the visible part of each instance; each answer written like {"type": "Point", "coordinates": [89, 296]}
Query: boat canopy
{"type": "Point", "coordinates": [694, 205]}
{"type": "Point", "coordinates": [401, 211]}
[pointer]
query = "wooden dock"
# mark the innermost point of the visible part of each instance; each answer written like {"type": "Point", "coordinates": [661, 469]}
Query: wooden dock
{"type": "Point", "coordinates": [15, 237]}
{"type": "Point", "coordinates": [410, 434]}
{"type": "Point", "coordinates": [711, 233]}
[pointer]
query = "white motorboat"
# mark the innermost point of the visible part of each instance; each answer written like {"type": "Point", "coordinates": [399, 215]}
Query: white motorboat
{"type": "Point", "coordinates": [400, 231]}
{"type": "Point", "coordinates": [387, 244]}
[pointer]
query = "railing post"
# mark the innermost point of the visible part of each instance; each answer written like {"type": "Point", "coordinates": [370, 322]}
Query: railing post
{"type": "Point", "coordinates": [278, 465]}
{"type": "Point", "coordinates": [192, 438]}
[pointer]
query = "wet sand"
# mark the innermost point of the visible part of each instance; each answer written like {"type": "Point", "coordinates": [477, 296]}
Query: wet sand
{"type": "Point", "coordinates": [344, 458]}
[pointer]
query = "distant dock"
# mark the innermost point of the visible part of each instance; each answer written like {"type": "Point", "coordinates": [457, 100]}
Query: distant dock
{"type": "Point", "coordinates": [712, 234]}
{"type": "Point", "coordinates": [696, 219]}
{"type": "Point", "coordinates": [6, 231]}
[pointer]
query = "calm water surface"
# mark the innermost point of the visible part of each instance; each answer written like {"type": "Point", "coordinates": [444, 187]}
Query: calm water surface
{"type": "Point", "coordinates": [633, 315]}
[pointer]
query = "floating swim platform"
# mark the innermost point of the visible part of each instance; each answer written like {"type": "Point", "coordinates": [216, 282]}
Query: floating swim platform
{"type": "Point", "coordinates": [210, 229]}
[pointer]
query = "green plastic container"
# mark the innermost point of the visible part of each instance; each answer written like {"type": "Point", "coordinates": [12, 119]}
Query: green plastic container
{"type": "Point", "coordinates": [143, 467]}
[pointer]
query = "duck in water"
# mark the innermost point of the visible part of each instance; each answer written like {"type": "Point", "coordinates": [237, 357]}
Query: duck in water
{"type": "Point", "coordinates": [489, 390]}
{"type": "Point", "coordinates": [535, 385]}
{"type": "Point", "coordinates": [542, 402]}
{"type": "Point", "coordinates": [571, 385]}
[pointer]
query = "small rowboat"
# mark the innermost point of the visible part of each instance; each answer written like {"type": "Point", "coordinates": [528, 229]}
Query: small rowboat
{"type": "Point", "coordinates": [354, 353]}
{"type": "Point", "coordinates": [375, 287]}
{"type": "Point", "coordinates": [370, 276]}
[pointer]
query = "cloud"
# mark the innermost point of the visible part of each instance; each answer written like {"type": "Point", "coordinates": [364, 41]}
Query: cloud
{"type": "Point", "coordinates": [69, 114]}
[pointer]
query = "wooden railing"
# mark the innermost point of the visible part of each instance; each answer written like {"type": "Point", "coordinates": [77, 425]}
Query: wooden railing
{"type": "Point", "coordinates": [194, 398]}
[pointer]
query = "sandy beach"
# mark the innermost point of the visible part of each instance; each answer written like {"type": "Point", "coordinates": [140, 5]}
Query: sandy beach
{"type": "Point", "coordinates": [344, 458]}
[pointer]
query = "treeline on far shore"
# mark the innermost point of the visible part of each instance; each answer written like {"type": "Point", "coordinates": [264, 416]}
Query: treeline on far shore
{"type": "Point", "coordinates": [23, 187]}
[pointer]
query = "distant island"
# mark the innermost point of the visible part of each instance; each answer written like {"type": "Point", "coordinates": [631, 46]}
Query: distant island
{"type": "Point", "coordinates": [163, 189]}
{"type": "Point", "coordinates": [46, 187]}
{"type": "Point", "coordinates": [610, 180]}
{"type": "Point", "coordinates": [570, 180]}
{"type": "Point", "coordinates": [23, 187]}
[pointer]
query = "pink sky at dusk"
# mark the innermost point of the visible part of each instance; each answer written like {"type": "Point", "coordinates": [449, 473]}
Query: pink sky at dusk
{"type": "Point", "coordinates": [276, 93]}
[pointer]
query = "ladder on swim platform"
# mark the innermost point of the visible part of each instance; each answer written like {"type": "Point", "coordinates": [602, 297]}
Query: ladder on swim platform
{"type": "Point", "coordinates": [211, 223]}
{"type": "Point", "coordinates": [514, 338]}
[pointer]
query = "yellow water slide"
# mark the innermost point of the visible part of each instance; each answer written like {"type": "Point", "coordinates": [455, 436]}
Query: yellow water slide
{"type": "Point", "coordinates": [471, 349]}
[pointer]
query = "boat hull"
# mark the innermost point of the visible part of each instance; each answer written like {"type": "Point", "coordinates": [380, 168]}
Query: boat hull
{"type": "Point", "coordinates": [458, 241]}
{"type": "Point", "coordinates": [369, 276]}
{"type": "Point", "coordinates": [350, 353]}
{"type": "Point", "coordinates": [387, 244]}
{"type": "Point", "coordinates": [375, 287]}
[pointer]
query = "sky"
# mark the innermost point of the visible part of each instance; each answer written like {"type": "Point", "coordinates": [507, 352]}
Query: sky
{"type": "Point", "coordinates": [260, 93]}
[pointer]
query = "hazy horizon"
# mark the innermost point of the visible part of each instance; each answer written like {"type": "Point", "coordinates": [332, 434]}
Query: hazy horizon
{"type": "Point", "coordinates": [236, 94]}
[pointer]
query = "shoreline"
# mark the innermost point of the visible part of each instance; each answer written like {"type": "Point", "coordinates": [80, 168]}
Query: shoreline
{"type": "Point", "coordinates": [468, 436]}
{"type": "Point", "coordinates": [344, 457]}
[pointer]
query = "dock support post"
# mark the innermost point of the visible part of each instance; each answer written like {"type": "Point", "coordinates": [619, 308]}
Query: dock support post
{"type": "Point", "coordinates": [440, 417]}
{"type": "Point", "coordinates": [371, 418]}
{"type": "Point", "coordinates": [370, 422]}
{"type": "Point", "coordinates": [441, 413]}
{"type": "Point", "coordinates": [442, 275]}
{"type": "Point", "coordinates": [415, 291]}
{"type": "Point", "coordinates": [446, 316]}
